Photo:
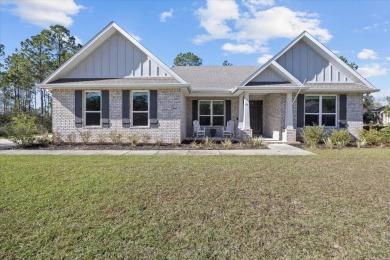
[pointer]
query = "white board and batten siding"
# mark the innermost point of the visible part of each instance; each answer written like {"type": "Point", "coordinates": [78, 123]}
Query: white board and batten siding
{"type": "Point", "coordinates": [304, 63]}
{"type": "Point", "coordinates": [117, 57]}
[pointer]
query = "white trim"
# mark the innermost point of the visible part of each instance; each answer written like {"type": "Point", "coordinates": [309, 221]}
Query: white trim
{"type": "Point", "coordinates": [211, 111]}
{"type": "Point", "coordinates": [320, 109]}
{"type": "Point", "coordinates": [85, 109]}
{"type": "Point", "coordinates": [132, 112]}
{"type": "Point", "coordinates": [95, 42]}
{"type": "Point", "coordinates": [324, 51]}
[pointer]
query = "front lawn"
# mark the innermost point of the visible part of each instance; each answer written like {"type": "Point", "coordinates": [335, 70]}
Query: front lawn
{"type": "Point", "coordinates": [335, 204]}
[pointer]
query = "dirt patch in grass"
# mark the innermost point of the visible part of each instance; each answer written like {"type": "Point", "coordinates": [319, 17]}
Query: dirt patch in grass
{"type": "Point", "coordinates": [333, 205]}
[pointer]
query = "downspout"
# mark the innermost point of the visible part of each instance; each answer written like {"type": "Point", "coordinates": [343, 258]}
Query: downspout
{"type": "Point", "coordinates": [299, 91]}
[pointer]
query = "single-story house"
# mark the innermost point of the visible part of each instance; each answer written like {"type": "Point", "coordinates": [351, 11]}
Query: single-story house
{"type": "Point", "coordinates": [382, 115]}
{"type": "Point", "coordinates": [115, 84]}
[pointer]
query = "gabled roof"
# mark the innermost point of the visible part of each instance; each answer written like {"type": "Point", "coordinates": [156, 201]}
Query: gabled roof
{"type": "Point", "coordinates": [94, 43]}
{"type": "Point", "coordinates": [323, 51]}
{"type": "Point", "coordinates": [272, 64]}
{"type": "Point", "coordinates": [214, 77]}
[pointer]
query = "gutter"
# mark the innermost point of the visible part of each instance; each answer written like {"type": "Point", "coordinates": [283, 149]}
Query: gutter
{"type": "Point", "coordinates": [114, 86]}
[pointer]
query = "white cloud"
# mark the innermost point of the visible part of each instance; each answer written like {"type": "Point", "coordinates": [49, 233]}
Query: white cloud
{"type": "Point", "coordinates": [165, 15]}
{"type": "Point", "coordinates": [44, 12]}
{"type": "Point", "coordinates": [254, 5]}
{"type": "Point", "coordinates": [264, 58]}
{"type": "Point", "coordinates": [243, 48]}
{"type": "Point", "coordinates": [222, 20]}
{"type": "Point", "coordinates": [138, 39]}
{"type": "Point", "coordinates": [367, 54]}
{"type": "Point", "coordinates": [372, 70]}
{"type": "Point", "coordinates": [213, 19]}
{"type": "Point", "coordinates": [336, 52]}
{"type": "Point", "coordinates": [388, 58]}
{"type": "Point", "coordinates": [78, 40]}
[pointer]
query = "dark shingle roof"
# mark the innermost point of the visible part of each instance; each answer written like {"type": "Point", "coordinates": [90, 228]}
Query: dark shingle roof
{"type": "Point", "coordinates": [220, 77]}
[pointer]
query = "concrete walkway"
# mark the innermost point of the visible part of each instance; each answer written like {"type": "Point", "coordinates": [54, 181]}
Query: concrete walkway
{"type": "Point", "coordinates": [6, 144]}
{"type": "Point", "coordinates": [274, 149]}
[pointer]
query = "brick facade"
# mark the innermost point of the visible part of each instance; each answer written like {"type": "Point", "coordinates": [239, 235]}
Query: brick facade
{"type": "Point", "coordinates": [170, 102]}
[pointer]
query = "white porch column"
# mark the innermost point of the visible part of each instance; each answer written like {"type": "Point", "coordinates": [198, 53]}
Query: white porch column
{"type": "Point", "coordinates": [246, 116]}
{"type": "Point", "coordinates": [289, 112]}
{"type": "Point", "coordinates": [241, 112]}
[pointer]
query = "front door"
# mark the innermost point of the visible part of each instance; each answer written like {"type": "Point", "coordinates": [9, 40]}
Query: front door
{"type": "Point", "coordinates": [256, 116]}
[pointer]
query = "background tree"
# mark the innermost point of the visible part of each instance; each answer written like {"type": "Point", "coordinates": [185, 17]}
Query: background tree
{"type": "Point", "coordinates": [187, 59]}
{"type": "Point", "coordinates": [368, 107]}
{"type": "Point", "coordinates": [38, 57]}
{"type": "Point", "coordinates": [353, 65]}
{"type": "Point", "coordinates": [226, 63]}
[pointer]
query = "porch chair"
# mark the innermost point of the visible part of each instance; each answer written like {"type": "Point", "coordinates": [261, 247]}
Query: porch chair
{"type": "Point", "coordinates": [198, 131]}
{"type": "Point", "coordinates": [229, 129]}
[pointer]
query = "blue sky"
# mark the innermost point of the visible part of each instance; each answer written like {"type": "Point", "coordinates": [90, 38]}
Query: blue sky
{"type": "Point", "coordinates": [244, 32]}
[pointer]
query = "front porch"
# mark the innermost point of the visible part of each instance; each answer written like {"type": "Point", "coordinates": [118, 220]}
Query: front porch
{"type": "Point", "coordinates": [270, 115]}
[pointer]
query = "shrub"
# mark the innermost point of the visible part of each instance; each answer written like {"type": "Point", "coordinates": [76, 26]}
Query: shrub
{"type": "Point", "coordinates": [361, 143]}
{"type": "Point", "coordinates": [133, 139]}
{"type": "Point", "coordinates": [159, 142]}
{"type": "Point", "coordinates": [372, 137]}
{"type": "Point", "coordinates": [101, 138]}
{"type": "Point", "coordinates": [328, 143]}
{"type": "Point", "coordinates": [312, 135]}
{"type": "Point", "coordinates": [85, 136]}
{"type": "Point", "coordinates": [227, 144]}
{"type": "Point", "coordinates": [116, 138]}
{"type": "Point", "coordinates": [385, 132]}
{"type": "Point", "coordinates": [254, 141]}
{"type": "Point", "coordinates": [208, 142]}
{"type": "Point", "coordinates": [145, 138]}
{"type": "Point", "coordinates": [22, 130]}
{"type": "Point", "coordinates": [195, 145]}
{"type": "Point", "coordinates": [71, 138]}
{"type": "Point", "coordinates": [340, 137]}
{"type": "Point", "coordinates": [44, 139]}
{"type": "Point", "coordinates": [57, 138]}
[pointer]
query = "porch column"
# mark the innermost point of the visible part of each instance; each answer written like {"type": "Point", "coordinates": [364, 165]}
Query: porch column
{"type": "Point", "coordinates": [246, 116]}
{"type": "Point", "coordinates": [289, 112]}
{"type": "Point", "coordinates": [240, 111]}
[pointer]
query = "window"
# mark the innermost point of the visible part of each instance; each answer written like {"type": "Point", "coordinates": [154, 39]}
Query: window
{"type": "Point", "coordinates": [320, 110]}
{"type": "Point", "coordinates": [212, 113]}
{"type": "Point", "coordinates": [93, 108]}
{"type": "Point", "coordinates": [140, 108]}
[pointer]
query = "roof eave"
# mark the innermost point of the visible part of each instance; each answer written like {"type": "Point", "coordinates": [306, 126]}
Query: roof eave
{"type": "Point", "coordinates": [120, 86]}
{"type": "Point", "coordinates": [340, 90]}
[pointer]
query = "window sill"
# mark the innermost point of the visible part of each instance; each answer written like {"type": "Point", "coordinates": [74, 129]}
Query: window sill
{"type": "Point", "coordinates": [93, 127]}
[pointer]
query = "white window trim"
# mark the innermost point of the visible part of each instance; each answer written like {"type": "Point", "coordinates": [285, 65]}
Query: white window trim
{"type": "Point", "coordinates": [132, 112]}
{"type": "Point", "coordinates": [85, 109]}
{"type": "Point", "coordinates": [320, 114]}
{"type": "Point", "coordinates": [211, 112]}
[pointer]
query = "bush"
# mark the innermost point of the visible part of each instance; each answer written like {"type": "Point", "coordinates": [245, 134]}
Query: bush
{"type": "Point", "coordinates": [133, 139]}
{"type": "Point", "coordinates": [85, 136]}
{"type": "Point", "coordinates": [372, 137]}
{"type": "Point", "coordinates": [254, 141]}
{"type": "Point", "coordinates": [385, 132]}
{"type": "Point", "coordinates": [312, 135]}
{"type": "Point", "coordinates": [227, 144]}
{"type": "Point", "coordinates": [71, 138]}
{"type": "Point", "coordinates": [340, 137]}
{"type": "Point", "coordinates": [116, 137]}
{"type": "Point", "coordinates": [22, 130]}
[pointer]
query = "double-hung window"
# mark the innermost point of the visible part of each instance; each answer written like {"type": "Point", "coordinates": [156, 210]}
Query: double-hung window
{"type": "Point", "coordinates": [320, 110]}
{"type": "Point", "coordinates": [140, 108]}
{"type": "Point", "coordinates": [212, 113]}
{"type": "Point", "coordinates": [93, 107]}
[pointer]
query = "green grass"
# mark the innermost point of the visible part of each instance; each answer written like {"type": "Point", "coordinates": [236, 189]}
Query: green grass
{"type": "Point", "coordinates": [336, 204]}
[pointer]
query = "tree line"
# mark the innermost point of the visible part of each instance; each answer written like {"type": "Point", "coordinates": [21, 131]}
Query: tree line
{"type": "Point", "coordinates": [35, 59]}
